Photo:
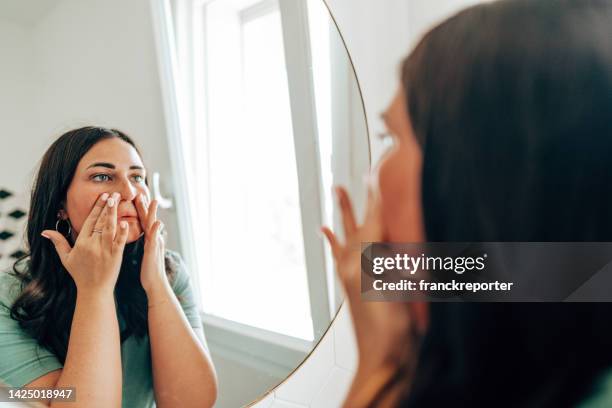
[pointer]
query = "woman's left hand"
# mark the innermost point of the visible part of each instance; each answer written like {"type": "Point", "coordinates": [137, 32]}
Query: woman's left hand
{"type": "Point", "coordinates": [153, 269]}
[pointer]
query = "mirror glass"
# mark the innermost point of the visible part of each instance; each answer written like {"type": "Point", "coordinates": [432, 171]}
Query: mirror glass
{"type": "Point", "coordinates": [245, 113]}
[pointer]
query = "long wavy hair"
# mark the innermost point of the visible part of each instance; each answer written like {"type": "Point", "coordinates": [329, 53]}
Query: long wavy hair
{"type": "Point", "coordinates": [45, 306]}
{"type": "Point", "coordinates": [511, 103]}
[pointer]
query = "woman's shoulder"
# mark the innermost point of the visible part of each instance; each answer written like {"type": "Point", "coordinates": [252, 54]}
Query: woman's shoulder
{"type": "Point", "coordinates": [173, 259]}
{"type": "Point", "coordinates": [176, 267]}
{"type": "Point", "coordinates": [174, 263]}
{"type": "Point", "coordinates": [10, 287]}
{"type": "Point", "coordinates": [602, 393]}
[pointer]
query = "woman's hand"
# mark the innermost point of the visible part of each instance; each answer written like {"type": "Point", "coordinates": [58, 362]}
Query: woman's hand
{"type": "Point", "coordinates": [95, 260]}
{"type": "Point", "coordinates": [382, 329]}
{"type": "Point", "coordinates": [153, 270]}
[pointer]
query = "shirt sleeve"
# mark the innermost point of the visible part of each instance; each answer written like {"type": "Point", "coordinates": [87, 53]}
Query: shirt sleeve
{"type": "Point", "coordinates": [601, 396]}
{"type": "Point", "coordinates": [22, 359]}
{"type": "Point", "coordinates": [183, 289]}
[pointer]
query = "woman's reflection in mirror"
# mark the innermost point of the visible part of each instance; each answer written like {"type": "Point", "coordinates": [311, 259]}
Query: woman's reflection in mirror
{"type": "Point", "coordinates": [98, 303]}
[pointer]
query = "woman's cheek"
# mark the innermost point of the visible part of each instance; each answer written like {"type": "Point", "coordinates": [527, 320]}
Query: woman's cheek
{"type": "Point", "coordinates": [80, 207]}
{"type": "Point", "coordinates": [400, 192]}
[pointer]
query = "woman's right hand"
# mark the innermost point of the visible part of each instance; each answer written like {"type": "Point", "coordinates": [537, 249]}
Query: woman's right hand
{"type": "Point", "coordinates": [95, 260]}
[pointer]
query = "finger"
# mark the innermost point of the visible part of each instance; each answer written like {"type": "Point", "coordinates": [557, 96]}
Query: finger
{"type": "Point", "coordinates": [121, 237]}
{"type": "Point", "coordinates": [98, 229]}
{"type": "Point", "coordinates": [62, 247]}
{"type": "Point", "coordinates": [93, 216]}
{"type": "Point", "coordinates": [154, 234]}
{"type": "Point", "coordinates": [156, 228]}
{"type": "Point", "coordinates": [152, 215]}
{"type": "Point", "coordinates": [110, 226]}
{"type": "Point", "coordinates": [333, 242]}
{"type": "Point", "coordinates": [346, 209]}
{"type": "Point", "coordinates": [142, 211]}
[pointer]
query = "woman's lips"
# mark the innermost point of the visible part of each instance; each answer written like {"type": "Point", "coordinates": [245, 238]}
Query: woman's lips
{"type": "Point", "coordinates": [129, 218]}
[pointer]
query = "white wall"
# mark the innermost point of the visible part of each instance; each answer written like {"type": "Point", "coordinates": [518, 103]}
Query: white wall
{"type": "Point", "coordinates": [379, 35]}
{"type": "Point", "coordinates": [16, 105]}
{"type": "Point", "coordinates": [86, 62]}
{"type": "Point", "coordinates": [16, 126]}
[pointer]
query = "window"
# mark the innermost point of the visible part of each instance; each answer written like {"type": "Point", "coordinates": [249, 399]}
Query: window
{"type": "Point", "coordinates": [250, 108]}
{"type": "Point", "coordinates": [256, 272]}
{"type": "Point", "coordinates": [261, 156]}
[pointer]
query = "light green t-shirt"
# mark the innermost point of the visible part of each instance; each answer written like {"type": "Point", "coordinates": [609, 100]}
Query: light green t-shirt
{"type": "Point", "coordinates": [601, 397]}
{"type": "Point", "coordinates": [22, 360]}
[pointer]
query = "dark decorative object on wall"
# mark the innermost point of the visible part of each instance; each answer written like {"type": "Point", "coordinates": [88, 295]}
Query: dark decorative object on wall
{"type": "Point", "coordinates": [13, 219]}
{"type": "Point", "coordinates": [4, 235]}
{"type": "Point", "coordinates": [17, 254]}
{"type": "Point", "coordinates": [4, 194]}
{"type": "Point", "coordinates": [17, 214]}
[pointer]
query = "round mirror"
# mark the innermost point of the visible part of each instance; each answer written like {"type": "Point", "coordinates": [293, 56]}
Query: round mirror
{"type": "Point", "coordinates": [246, 113]}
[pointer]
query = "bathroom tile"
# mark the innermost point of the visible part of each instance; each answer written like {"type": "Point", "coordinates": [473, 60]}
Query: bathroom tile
{"type": "Point", "coordinates": [344, 340]}
{"type": "Point", "coordinates": [335, 389]}
{"type": "Point", "coordinates": [304, 384]}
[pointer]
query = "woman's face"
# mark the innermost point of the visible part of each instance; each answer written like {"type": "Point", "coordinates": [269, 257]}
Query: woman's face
{"type": "Point", "coordinates": [399, 177]}
{"type": "Point", "coordinates": [399, 181]}
{"type": "Point", "coordinates": [110, 166]}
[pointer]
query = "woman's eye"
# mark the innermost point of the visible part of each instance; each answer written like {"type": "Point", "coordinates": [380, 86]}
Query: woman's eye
{"type": "Point", "coordinates": [105, 177]}
{"type": "Point", "coordinates": [101, 177]}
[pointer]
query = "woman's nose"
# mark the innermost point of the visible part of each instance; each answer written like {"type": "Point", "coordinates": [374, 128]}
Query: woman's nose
{"type": "Point", "coordinates": [127, 190]}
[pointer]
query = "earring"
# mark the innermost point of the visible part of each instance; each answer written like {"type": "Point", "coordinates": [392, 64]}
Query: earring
{"type": "Point", "coordinates": [67, 222]}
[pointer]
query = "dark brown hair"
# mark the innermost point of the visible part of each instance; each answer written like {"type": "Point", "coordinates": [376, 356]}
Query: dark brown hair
{"type": "Point", "coordinates": [511, 103]}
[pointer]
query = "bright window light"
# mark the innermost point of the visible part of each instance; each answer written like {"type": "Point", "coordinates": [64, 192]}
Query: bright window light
{"type": "Point", "coordinates": [256, 274]}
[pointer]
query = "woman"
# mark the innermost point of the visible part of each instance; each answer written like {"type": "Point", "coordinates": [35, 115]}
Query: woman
{"type": "Point", "coordinates": [502, 132]}
{"type": "Point", "coordinates": [94, 305]}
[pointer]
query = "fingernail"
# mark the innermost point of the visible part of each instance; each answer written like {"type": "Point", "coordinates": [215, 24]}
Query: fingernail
{"type": "Point", "coordinates": [116, 196]}
{"type": "Point", "coordinates": [111, 202]}
{"type": "Point", "coordinates": [104, 197]}
{"type": "Point", "coordinates": [45, 235]}
{"type": "Point", "coordinates": [124, 224]}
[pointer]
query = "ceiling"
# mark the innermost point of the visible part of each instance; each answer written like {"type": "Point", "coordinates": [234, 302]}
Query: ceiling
{"type": "Point", "coordinates": [25, 12]}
